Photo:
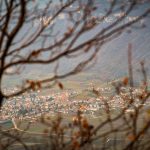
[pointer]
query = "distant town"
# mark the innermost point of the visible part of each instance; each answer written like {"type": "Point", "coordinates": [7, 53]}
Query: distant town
{"type": "Point", "coordinates": [32, 105]}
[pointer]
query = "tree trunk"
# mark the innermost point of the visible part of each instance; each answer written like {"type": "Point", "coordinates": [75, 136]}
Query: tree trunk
{"type": "Point", "coordinates": [1, 99]}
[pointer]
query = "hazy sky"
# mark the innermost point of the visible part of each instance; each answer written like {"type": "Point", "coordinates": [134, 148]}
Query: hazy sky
{"type": "Point", "coordinates": [112, 60]}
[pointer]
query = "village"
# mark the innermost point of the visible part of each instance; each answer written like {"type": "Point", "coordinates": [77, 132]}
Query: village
{"type": "Point", "coordinates": [32, 105]}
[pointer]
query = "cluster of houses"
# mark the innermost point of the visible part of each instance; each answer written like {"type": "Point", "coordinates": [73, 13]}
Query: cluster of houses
{"type": "Point", "coordinates": [32, 104]}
